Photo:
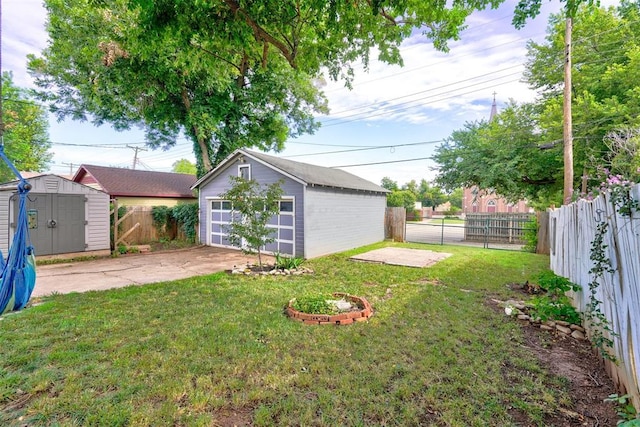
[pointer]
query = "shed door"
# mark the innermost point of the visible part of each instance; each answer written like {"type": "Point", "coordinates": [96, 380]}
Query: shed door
{"type": "Point", "coordinates": [56, 222]}
{"type": "Point", "coordinates": [283, 226]}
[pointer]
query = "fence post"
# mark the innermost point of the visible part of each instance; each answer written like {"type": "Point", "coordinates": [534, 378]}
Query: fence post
{"type": "Point", "coordinates": [543, 246]}
{"type": "Point", "coordinates": [395, 224]}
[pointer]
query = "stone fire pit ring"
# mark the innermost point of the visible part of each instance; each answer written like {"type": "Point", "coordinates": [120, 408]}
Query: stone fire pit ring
{"type": "Point", "coordinates": [362, 315]}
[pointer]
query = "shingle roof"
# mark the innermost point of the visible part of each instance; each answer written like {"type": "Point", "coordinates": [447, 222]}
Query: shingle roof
{"type": "Point", "coordinates": [136, 183]}
{"type": "Point", "coordinates": [309, 174]}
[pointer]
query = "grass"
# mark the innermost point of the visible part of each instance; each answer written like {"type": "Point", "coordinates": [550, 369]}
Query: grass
{"type": "Point", "coordinates": [217, 350]}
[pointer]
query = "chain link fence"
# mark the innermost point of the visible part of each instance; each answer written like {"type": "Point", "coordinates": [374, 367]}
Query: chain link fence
{"type": "Point", "coordinates": [492, 231]}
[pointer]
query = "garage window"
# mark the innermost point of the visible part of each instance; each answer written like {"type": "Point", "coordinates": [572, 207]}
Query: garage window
{"type": "Point", "coordinates": [244, 172]}
{"type": "Point", "coordinates": [283, 226]}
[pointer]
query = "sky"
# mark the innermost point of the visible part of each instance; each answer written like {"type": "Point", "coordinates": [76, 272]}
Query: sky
{"type": "Point", "coordinates": [388, 125]}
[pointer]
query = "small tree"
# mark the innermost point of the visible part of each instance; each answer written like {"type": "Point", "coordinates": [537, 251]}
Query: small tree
{"type": "Point", "coordinates": [252, 206]}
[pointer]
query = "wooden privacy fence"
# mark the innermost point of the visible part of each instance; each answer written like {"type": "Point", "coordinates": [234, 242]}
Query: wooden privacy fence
{"type": "Point", "coordinates": [572, 228]}
{"type": "Point", "coordinates": [496, 227]}
{"type": "Point", "coordinates": [136, 228]}
{"type": "Point", "coordinates": [395, 224]}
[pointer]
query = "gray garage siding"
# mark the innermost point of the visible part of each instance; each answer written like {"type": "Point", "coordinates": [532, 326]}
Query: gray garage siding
{"type": "Point", "coordinates": [263, 175]}
{"type": "Point", "coordinates": [338, 220]}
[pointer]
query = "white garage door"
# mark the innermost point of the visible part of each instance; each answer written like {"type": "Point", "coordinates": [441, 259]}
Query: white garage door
{"type": "Point", "coordinates": [283, 226]}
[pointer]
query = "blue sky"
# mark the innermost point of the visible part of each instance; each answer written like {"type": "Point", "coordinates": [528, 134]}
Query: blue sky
{"type": "Point", "coordinates": [406, 111]}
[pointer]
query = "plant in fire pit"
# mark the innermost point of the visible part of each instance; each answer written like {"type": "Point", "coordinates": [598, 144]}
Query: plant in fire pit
{"type": "Point", "coordinates": [323, 304]}
{"type": "Point", "coordinates": [252, 206]}
{"type": "Point", "coordinates": [314, 304]}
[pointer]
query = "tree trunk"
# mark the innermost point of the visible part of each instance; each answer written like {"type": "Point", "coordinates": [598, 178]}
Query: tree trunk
{"type": "Point", "coordinates": [204, 148]}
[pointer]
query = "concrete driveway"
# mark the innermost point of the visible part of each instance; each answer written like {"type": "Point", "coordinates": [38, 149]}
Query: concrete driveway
{"type": "Point", "coordinates": [136, 269]}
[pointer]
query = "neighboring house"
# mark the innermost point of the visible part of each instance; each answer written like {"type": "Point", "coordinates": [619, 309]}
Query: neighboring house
{"type": "Point", "coordinates": [64, 217]}
{"type": "Point", "coordinates": [481, 201]}
{"type": "Point", "coordinates": [323, 210]}
{"type": "Point", "coordinates": [138, 188]}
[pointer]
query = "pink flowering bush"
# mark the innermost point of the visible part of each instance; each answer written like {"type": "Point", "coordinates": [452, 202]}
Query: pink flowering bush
{"type": "Point", "coordinates": [619, 189]}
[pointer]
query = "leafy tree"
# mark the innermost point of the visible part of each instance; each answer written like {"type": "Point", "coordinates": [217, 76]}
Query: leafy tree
{"type": "Point", "coordinates": [430, 195]}
{"type": "Point", "coordinates": [413, 187]}
{"type": "Point", "coordinates": [228, 74]}
{"type": "Point", "coordinates": [183, 166]}
{"type": "Point", "coordinates": [402, 198]}
{"type": "Point", "coordinates": [519, 154]}
{"type": "Point", "coordinates": [389, 184]}
{"type": "Point", "coordinates": [504, 156]}
{"type": "Point", "coordinates": [455, 198]}
{"type": "Point", "coordinates": [25, 138]}
{"type": "Point", "coordinates": [252, 206]}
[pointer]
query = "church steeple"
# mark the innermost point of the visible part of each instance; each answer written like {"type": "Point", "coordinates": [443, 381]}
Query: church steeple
{"type": "Point", "coordinates": [494, 108]}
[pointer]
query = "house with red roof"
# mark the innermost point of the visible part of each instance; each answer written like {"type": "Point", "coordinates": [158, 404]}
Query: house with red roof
{"type": "Point", "coordinates": [132, 187]}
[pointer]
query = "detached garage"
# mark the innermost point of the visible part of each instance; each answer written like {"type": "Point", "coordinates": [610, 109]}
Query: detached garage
{"type": "Point", "coordinates": [64, 217]}
{"type": "Point", "coordinates": [323, 210]}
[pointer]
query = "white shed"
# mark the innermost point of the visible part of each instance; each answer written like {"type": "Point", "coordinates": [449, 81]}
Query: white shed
{"type": "Point", "coordinates": [64, 217]}
{"type": "Point", "coordinates": [322, 211]}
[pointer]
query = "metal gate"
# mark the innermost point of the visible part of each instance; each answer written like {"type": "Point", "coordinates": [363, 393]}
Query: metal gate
{"type": "Point", "coordinates": [56, 222]}
{"type": "Point", "coordinates": [491, 231]}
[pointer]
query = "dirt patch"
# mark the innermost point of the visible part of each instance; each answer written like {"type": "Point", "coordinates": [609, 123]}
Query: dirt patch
{"type": "Point", "coordinates": [237, 418]}
{"type": "Point", "coordinates": [402, 256]}
{"type": "Point", "coordinates": [587, 381]}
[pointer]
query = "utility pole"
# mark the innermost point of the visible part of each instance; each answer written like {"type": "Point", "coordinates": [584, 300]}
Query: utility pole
{"type": "Point", "coordinates": [135, 155]}
{"type": "Point", "coordinates": [70, 167]}
{"type": "Point", "coordinates": [567, 131]}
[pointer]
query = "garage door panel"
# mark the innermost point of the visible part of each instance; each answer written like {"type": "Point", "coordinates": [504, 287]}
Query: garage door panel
{"type": "Point", "coordinates": [286, 234]}
{"type": "Point", "coordinates": [282, 226]}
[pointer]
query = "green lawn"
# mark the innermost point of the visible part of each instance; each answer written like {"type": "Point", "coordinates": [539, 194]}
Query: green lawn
{"type": "Point", "coordinates": [217, 350]}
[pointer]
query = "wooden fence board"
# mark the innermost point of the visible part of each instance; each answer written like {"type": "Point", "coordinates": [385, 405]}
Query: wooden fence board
{"type": "Point", "coordinates": [572, 228]}
{"type": "Point", "coordinates": [496, 227]}
{"type": "Point", "coordinates": [395, 224]}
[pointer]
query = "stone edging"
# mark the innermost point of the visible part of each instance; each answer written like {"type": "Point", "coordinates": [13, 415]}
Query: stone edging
{"type": "Point", "coordinates": [519, 309]}
{"type": "Point", "coordinates": [346, 318]}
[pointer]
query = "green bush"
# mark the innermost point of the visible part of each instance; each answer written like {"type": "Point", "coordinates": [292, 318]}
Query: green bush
{"type": "Point", "coordinates": [287, 263]}
{"type": "Point", "coordinates": [186, 216]}
{"type": "Point", "coordinates": [530, 235]}
{"type": "Point", "coordinates": [554, 304]}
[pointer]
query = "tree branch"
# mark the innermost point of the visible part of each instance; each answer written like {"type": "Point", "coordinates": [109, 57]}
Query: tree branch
{"type": "Point", "coordinates": [261, 34]}
{"type": "Point", "coordinates": [215, 55]}
{"type": "Point", "coordinates": [206, 161]}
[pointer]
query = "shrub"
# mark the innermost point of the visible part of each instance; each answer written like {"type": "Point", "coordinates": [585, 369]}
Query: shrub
{"type": "Point", "coordinates": [287, 263]}
{"type": "Point", "coordinates": [554, 304]}
{"type": "Point", "coordinates": [530, 235]}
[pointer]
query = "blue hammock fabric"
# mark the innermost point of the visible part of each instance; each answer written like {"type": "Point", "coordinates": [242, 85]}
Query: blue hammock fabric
{"type": "Point", "coordinates": [19, 270]}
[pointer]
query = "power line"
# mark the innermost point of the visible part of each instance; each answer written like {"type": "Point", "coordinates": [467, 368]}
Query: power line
{"type": "Point", "coordinates": [433, 89]}
{"type": "Point", "coordinates": [366, 148]}
{"type": "Point", "coordinates": [381, 163]}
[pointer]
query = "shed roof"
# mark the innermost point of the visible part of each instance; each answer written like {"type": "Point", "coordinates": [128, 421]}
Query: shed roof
{"type": "Point", "coordinates": [136, 183]}
{"type": "Point", "coordinates": [306, 173]}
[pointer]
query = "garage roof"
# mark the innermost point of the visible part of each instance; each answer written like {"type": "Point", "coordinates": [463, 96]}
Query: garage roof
{"type": "Point", "coordinates": [306, 173]}
{"type": "Point", "coordinates": [136, 183]}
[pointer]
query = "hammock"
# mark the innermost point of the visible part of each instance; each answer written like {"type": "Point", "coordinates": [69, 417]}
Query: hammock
{"type": "Point", "coordinates": [18, 271]}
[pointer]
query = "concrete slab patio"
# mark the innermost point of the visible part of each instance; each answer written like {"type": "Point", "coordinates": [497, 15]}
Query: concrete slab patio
{"type": "Point", "coordinates": [138, 269]}
{"type": "Point", "coordinates": [402, 256]}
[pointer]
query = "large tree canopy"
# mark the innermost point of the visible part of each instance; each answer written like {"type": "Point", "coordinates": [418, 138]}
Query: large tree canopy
{"type": "Point", "coordinates": [520, 153]}
{"type": "Point", "coordinates": [25, 137]}
{"type": "Point", "coordinates": [230, 73]}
